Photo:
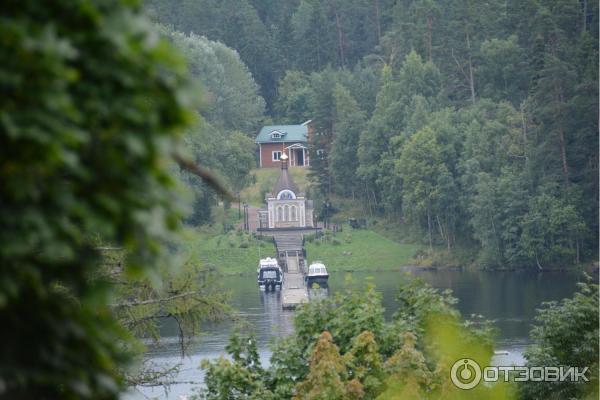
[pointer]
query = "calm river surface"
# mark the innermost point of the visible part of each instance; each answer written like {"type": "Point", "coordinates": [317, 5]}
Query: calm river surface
{"type": "Point", "coordinates": [509, 299]}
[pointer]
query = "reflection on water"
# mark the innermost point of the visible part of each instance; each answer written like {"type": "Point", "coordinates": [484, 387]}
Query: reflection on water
{"type": "Point", "coordinates": [509, 299]}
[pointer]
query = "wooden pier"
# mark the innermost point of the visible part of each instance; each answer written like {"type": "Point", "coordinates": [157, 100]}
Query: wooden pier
{"type": "Point", "coordinates": [294, 291]}
{"type": "Point", "coordinates": [291, 256]}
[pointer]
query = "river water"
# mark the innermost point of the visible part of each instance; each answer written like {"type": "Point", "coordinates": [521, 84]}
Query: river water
{"type": "Point", "coordinates": [509, 299]}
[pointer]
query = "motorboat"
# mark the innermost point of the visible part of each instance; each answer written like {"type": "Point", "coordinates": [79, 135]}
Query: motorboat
{"type": "Point", "coordinates": [270, 275]}
{"type": "Point", "coordinates": [317, 273]}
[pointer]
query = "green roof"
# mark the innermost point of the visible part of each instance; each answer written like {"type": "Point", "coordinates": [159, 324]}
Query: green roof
{"type": "Point", "coordinates": [289, 133]}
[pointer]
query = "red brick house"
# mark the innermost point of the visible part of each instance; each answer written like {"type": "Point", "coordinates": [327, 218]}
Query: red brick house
{"type": "Point", "coordinates": [274, 140]}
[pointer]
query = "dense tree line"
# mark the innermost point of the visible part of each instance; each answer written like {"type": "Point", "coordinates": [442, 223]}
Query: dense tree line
{"type": "Point", "coordinates": [230, 110]}
{"type": "Point", "coordinates": [474, 124]}
{"type": "Point", "coordinates": [275, 36]}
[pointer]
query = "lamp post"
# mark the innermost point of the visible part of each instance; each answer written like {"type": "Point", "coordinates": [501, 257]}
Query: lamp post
{"type": "Point", "coordinates": [283, 158]}
{"type": "Point", "coordinates": [246, 220]}
{"type": "Point", "coordinates": [326, 212]}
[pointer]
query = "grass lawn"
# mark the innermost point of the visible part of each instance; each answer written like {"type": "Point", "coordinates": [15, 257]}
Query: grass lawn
{"type": "Point", "coordinates": [361, 250]}
{"type": "Point", "coordinates": [236, 253]}
{"type": "Point", "coordinates": [230, 253]}
{"type": "Point", "coordinates": [356, 250]}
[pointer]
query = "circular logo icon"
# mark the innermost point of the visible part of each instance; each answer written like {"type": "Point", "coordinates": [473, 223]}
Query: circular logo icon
{"type": "Point", "coordinates": [465, 374]}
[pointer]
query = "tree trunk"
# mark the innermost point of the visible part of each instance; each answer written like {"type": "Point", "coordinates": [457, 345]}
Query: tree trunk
{"type": "Point", "coordinates": [429, 38]}
{"type": "Point", "coordinates": [340, 38]}
{"type": "Point", "coordinates": [561, 135]}
{"type": "Point", "coordinates": [471, 78]}
{"type": "Point", "coordinates": [558, 119]}
{"type": "Point", "coordinates": [374, 198]}
{"type": "Point", "coordinates": [368, 196]}
{"type": "Point", "coordinates": [584, 25]}
{"type": "Point", "coordinates": [524, 129]}
{"type": "Point", "coordinates": [378, 20]}
{"type": "Point", "coordinates": [563, 155]}
{"type": "Point", "coordinates": [538, 262]}
{"type": "Point", "coordinates": [440, 229]}
{"type": "Point", "coordinates": [429, 229]}
{"type": "Point", "coordinates": [448, 236]}
{"type": "Point", "coordinates": [318, 46]}
{"type": "Point", "coordinates": [445, 236]}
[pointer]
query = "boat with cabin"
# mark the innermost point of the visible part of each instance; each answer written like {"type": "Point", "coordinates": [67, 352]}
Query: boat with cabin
{"type": "Point", "coordinates": [270, 275]}
{"type": "Point", "coordinates": [317, 273]}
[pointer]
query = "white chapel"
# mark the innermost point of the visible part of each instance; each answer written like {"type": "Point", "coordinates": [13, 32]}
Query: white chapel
{"type": "Point", "coordinates": [286, 206]}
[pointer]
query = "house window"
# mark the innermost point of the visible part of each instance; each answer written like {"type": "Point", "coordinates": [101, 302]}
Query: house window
{"type": "Point", "coordinates": [276, 155]}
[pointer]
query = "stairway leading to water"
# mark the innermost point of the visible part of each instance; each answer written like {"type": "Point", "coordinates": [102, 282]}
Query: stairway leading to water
{"type": "Point", "coordinates": [290, 254]}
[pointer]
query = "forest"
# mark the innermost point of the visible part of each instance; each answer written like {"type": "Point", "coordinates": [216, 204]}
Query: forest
{"type": "Point", "coordinates": [473, 125]}
{"type": "Point", "coordinates": [126, 125]}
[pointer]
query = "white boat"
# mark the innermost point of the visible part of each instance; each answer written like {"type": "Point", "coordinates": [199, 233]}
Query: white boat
{"type": "Point", "coordinates": [270, 275]}
{"type": "Point", "coordinates": [317, 273]}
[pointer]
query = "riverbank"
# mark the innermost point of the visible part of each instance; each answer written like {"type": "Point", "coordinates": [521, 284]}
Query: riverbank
{"type": "Point", "coordinates": [236, 252]}
{"type": "Point", "coordinates": [462, 255]}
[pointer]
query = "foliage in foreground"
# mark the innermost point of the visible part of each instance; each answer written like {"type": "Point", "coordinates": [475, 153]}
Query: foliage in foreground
{"type": "Point", "coordinates": [566, 334]}
{"type": "Point", "coordinates": [92, 98]}
{"type": "Point", "coordinates": [343, 348]}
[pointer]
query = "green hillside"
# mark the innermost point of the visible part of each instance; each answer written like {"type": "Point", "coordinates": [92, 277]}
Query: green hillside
{"type": "Point", "coordinates": [264, 180]}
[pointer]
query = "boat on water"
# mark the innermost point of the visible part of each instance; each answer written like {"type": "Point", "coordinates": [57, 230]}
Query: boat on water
{"type": "Point", "coordinates": [317, 273]}
{"type": "Point", "coordinates": [270, 275]}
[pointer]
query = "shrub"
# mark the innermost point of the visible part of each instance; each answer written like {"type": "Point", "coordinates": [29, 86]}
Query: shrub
{"type": "Point", "coordinates": [342, 348]}
{"type": "Point", "coordinates": [311, 237]}
{"type": "Point", "coordinates": [566, 334]}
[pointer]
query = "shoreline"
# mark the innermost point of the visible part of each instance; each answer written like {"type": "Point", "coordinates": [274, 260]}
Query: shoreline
{"type": "Point", "coordinates": [416, 267]}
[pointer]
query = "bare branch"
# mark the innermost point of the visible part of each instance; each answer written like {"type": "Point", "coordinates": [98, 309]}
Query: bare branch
{"type": "Point", "coordinates": [155, 301]}
{"type": "Point", "coordinates": [462, 70]}
{"type": "Point", "coordinates": [168, 383]}
{"type": "Point", "coordinates": [211, 179]}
